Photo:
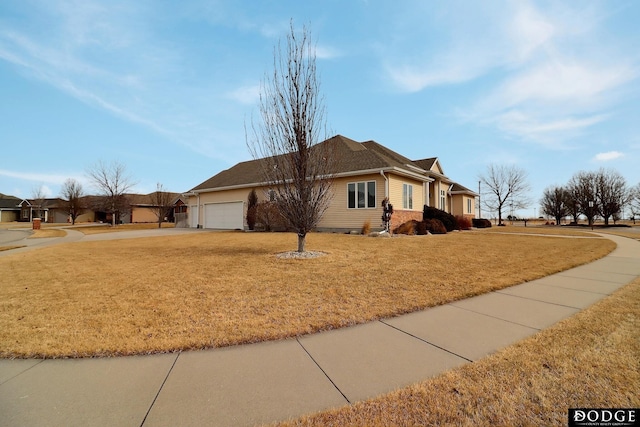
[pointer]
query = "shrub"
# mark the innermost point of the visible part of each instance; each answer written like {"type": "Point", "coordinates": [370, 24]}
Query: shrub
{"type": "Point", "coordinates": [252, 203]}
{"type": "Point", "coordinates": [434, 226]}
{"type": "Point", "coordinates": [447, 219]}
{"type": "Point", "coordinates": [463, 222]}
{"type": "Point", "coordinates": [408, 228]}
{"type": "Point", "coordinates": [269, 217]}
{"type": "Point", "coordinates": [366, 228]}
{"type": "Point", "coordinates": [481, 223]}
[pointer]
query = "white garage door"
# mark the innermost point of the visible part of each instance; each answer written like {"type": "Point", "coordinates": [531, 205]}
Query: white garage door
{"type": "Point", "coordinates": [226, 216]}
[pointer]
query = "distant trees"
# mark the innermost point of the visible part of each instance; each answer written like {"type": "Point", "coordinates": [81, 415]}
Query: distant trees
{"type": "Point", "coordinates": [112, 182]}
{"type": "Point", "coordinates": [634, 202]}
{"type": "Point", "coordinates": [554, 203]}
{"type": "Point", "coordinates": [602, 193]}
{"type": "Point", "coordinates": [505, 186]}
{"type": "Point", "coordinates": [287, 140]}
{"type": "Point", "coordinates": [161, 202]}
{"type": "Point", "coordinates": [582, 190]}
{"type": "Point", "coordinates": [72, 194]}
{"type": "Point", "coordinates": [611, 194]}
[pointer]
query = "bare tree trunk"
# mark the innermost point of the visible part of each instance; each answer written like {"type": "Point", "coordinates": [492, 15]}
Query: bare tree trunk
{"type": "Point", "coordinates": [301, 242]}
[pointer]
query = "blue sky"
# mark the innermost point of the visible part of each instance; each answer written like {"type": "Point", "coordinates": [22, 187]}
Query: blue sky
{"type": "Point", "coordinates": [166, 87]}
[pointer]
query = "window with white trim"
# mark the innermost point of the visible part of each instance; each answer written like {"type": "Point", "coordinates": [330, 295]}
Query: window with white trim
{"type": "Point", "coordinates": [469, 206]}
{"type": "Point", "coordinates": [443, 200]}
{"type": "Point", "coordinates": [407, 196]}
{"type": "Point", "coordinates": [361, 195]}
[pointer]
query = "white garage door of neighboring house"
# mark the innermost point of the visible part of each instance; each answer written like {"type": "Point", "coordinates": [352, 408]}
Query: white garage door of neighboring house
{"type": "Point", "coordinates": [226, 216]}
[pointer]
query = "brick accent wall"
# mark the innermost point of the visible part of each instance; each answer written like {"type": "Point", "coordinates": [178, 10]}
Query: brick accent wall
{"type": "Point", "coordinates": [400, 217]}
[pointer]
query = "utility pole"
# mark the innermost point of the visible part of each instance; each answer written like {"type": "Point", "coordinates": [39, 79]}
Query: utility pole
{"type": "Point", "coordinates": [479, 205]}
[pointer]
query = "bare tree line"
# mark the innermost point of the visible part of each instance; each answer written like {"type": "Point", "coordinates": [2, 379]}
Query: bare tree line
{"type": "Point", "coordinates": [603, 193]}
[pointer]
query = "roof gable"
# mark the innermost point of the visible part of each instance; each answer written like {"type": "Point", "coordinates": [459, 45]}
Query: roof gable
{"type": "Point", "coordinates": [431, 164]}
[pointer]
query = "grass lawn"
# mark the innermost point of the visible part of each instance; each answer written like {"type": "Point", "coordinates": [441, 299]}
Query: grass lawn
{"type": "Point", "coordinates": [107, 228]}
{"type": "Point", "coordinates": [207, 290]}
{"type": "Point", "coordinates": [591, 360]}
{"type": "Point", "coordinates": [47, 232]}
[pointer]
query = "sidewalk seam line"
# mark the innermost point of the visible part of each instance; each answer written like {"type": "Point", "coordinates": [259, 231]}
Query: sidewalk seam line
{"type": "Point", "coordinates": [544, 302]}
{"type": "Point", "coordinates": [425, 341]}
{"type": "Point", "coordinates": [160, 390]}
{"type": "Point", "coordinates": [20, 373]}
{"type": "Point", "coordinates": [495, 317]}
{"type": "Point", "coordinates": [323, 371]}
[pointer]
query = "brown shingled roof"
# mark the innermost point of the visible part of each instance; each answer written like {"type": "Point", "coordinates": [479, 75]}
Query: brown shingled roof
{"type": "Point", "coordinates": [353, 156]}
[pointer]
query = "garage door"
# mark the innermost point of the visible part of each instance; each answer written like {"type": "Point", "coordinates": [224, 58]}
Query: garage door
{"type": "Point", "coordinates": [226, 216]}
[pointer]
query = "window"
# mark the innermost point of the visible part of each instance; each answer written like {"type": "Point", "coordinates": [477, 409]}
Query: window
{"type": "Point", "coordinates": [442, 200]}
{"type": "Point", "coordinates": [272, 196]}
{"type": "Point", "coordinates": [407, 196]}
{"type": "Point", "coordinates": [361, 195]}
{"type": "Point", "coordinates": [468, 205]}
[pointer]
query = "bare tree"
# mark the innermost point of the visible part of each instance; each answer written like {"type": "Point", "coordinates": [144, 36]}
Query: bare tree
{"type": "Point", "coordinates": [634, 202]}
{"type": "Point", "coordinates": [611, 193]}
{"type": "Point", "coordinates": [553, 203]}
{"type": "Point", "coordinates": [38, 197]}
{"type": "Point", "coordinates": [582, 187]}
{"type": "Point", "coordinates": [113, 182]}
{"type": "Point", "coordinates": [161, 202]}
{"type": "Point", "coordinates": [507, 186]}
{"type": "Point", "coordinates": [72, 192]}
{"type": "Point", "coordinates": [287, 140]}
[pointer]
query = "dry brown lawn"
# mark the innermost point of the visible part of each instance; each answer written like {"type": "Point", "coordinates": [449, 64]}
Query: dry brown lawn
{"type": "Point", "coordinates": [591, 360]}
{"type": "Point", "coordinates": [217, 289]}
{"type": "Point", "coordinates": [540, 229]}
{"type": "Point", "coordinates": [47, 232]}
{"type": "Point", "coordinates": [107, 228]}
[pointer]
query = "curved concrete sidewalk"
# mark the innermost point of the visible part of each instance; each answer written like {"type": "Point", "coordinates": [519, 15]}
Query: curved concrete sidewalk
{"type": "Point", "coordinates": [266, 382]}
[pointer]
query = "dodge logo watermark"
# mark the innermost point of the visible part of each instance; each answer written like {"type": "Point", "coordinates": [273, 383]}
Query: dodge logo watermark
{"type": "Point", "coordinates": [603, 417]}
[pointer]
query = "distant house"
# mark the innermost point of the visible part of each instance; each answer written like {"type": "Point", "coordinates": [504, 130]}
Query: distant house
{"type": "Point", "coordinates": [48, 210]}
{"type": "Point", "coordinates": [9, 208]}
{"type": "Point", "coordinates": [144, 207]}
{"type": "Point", "coordinates": [368, 173]}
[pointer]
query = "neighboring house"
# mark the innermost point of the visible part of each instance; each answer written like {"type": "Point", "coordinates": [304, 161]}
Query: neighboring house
{"type": "Point", "coordinates": [144, 207]}
{"type": "Point", "coordinates": [48, 210]}
{"type": "Point", "coordinates": [367, 172]}
{"type": "Point", "coordinates": [9, 208]}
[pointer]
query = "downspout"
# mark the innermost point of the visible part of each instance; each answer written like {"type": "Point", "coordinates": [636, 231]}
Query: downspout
{"type": "Point", "coordinates": [386, 183]}
{"type": "Point", "coordinates": [198, 211]}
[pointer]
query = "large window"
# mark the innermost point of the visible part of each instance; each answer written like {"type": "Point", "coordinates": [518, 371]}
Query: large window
{"type": "Point", "coordinates": [407, 196]}
{"type": "Point", "coordinates": [361, 195]}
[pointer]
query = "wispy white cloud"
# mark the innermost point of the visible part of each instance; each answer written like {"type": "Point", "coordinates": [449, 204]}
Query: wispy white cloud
{"type": "Point", "coordinates": [54, 179]}
{"type": "Point", "coordinates": [248, 95]}
{"type": "Point", "coordinates": [608, 156]}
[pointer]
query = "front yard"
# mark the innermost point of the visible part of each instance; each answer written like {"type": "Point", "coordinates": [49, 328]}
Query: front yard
{"type": "Point", "coordinates": [216, 289]}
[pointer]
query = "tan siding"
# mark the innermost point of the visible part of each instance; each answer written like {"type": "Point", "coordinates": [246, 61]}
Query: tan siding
{"type": "Point", "coordinates": [395, 192]}
{"type": "Point", "coordinates": [460, 205]}
{"type": "Point", "coordinates": [339, 216]}
{"type": "Point", "coordinates": [140, 214]}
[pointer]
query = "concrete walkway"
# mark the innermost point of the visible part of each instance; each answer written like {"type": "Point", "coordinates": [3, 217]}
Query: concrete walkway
{"type": "Point", "coordinates": [266, 382]}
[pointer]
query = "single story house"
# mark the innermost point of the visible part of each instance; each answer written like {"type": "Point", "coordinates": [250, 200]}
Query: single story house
{"type": "Point", "coordinates": [48, 210]}
{"type": "Point", "coordinates": [367, 173]}
{"type": "Point", "coordinates": [9, 208]}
